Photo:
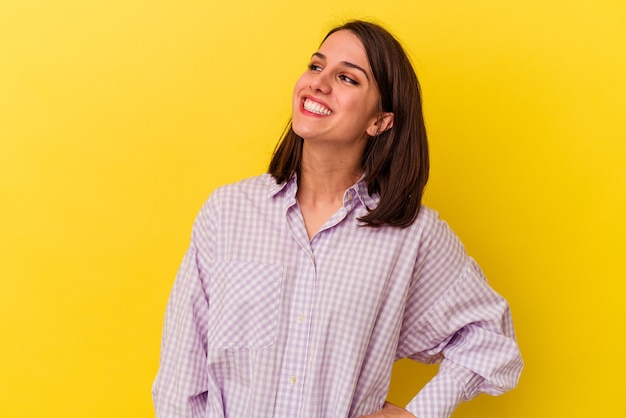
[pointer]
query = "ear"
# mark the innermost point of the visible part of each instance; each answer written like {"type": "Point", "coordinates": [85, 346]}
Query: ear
{"type": "Point", "coordinates": [383, 123]}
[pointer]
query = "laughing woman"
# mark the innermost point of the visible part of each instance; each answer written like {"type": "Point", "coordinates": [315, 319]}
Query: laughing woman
{"type": "Point", "coordinates": [301, 287]}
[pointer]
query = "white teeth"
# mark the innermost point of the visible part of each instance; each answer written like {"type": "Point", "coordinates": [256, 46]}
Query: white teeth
{"type": "Point", "coordinates": [316, 108]}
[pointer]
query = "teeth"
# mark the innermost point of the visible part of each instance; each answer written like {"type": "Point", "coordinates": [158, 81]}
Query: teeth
{"type": "Point", "coordinates": [316, 108]}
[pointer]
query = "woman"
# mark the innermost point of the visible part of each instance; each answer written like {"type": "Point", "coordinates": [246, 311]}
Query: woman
{"type": "Point", "coordinates": [301, 287]}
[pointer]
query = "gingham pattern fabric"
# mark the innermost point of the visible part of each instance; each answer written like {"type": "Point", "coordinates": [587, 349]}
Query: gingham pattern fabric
{"type": "Point", "coordinates": [263, 322]}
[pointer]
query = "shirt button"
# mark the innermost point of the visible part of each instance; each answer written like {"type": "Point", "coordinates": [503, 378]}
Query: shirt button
{"type": "Point", "coordinates": [293, 380]}
{"type": "Point", "coordinates": [300, 318]}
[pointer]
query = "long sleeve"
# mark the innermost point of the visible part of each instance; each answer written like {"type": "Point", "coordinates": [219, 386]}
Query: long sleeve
{"type": "Point", "coordinates": [481, 356]}
{"type": "Point", "coordinates": [180, 388]}
{"type": "Point", "coordinates": [467, 327]}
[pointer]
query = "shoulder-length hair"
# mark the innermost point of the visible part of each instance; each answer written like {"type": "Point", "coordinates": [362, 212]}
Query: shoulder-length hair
{"type": "Point", "coordinates": [395, 162]}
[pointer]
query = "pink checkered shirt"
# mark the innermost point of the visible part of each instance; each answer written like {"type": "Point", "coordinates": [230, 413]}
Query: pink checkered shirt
{"type": "Point", "coordinates": [263, 322]}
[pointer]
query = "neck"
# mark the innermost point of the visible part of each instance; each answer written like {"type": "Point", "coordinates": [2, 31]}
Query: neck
{"type": "Point", "coordinates": [326, 177]}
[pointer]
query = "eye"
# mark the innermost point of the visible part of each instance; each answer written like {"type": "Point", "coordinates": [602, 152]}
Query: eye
{"type": "Point", "coordinates": [348, 80]}
{"type": "Point", "coordinates": [315, 67]}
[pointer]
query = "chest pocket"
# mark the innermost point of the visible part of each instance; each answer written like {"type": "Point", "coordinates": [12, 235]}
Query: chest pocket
{"type": "Point", "coordinates": [243, 304]}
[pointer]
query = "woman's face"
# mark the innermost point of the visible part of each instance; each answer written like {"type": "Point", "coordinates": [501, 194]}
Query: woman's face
{"type": "Point", "coordinates": [336, 101]}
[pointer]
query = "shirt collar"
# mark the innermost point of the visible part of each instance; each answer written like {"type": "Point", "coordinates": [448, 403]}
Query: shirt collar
{"type": "Point", "coordinates": [360, 188]}
{"type": "Point", "coordinates": [290, 187]}
{"type": "Point", "coordinates": [285, 191]}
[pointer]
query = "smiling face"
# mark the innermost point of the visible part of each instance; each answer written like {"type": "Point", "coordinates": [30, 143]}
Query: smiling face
{"type": "Point", "coordinates": [336, 101]}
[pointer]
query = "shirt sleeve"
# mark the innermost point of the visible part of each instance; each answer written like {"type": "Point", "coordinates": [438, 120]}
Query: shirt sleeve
{"type": "Point", "coordinates": [180, 387]}
{"type": "Point", "coordinates": [467, 327]}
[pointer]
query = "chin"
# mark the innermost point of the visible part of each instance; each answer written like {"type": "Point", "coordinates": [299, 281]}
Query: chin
{"type": "Point", "coordinates": [295, 126]}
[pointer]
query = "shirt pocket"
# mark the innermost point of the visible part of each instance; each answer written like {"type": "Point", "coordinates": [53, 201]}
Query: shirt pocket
{"type": "Point", "coordinates": [244, 298]}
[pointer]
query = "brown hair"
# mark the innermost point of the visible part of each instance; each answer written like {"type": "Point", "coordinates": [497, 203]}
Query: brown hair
{"type": "Point", "coordinates": [396, 161]}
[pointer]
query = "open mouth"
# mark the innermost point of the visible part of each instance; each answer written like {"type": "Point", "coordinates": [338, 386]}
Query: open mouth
{"type": "Point", "coordinates": [314, 107]}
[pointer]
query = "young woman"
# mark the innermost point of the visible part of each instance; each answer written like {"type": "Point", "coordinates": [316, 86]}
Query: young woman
{"type": "Point", "coordinates": [302, 286]}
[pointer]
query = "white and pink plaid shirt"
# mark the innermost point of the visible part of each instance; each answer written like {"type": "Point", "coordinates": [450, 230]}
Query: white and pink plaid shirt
{"type": "Point", "coordinates": [263, 322]}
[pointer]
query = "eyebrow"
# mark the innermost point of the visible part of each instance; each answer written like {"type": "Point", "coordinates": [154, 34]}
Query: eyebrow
{"type": "Point", "coordinates": [346, 63]}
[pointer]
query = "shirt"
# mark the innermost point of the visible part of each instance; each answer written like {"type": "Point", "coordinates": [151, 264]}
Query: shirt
{"type": "Point", "coordinates": [263, 322]}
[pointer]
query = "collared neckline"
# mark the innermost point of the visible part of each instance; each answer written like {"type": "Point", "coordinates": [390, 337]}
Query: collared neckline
{"type": "Point", "coordinates": [275, 188]}
{"type": "Point", "coordinates": [359, 189]}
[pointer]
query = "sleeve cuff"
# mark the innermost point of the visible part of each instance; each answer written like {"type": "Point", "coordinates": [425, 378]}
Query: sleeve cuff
{"type": "Point", "coordinates": [439, 398]}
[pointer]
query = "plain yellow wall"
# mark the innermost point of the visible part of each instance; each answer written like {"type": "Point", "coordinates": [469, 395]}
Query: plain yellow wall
{"type": "Point", "coordinates": [118, 118]}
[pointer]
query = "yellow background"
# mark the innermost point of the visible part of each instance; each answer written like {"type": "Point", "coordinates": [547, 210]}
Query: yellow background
{"type": "Point", "coordinates": [117, 119]}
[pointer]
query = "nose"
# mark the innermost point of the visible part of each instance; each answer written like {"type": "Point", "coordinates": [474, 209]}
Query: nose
{"type": "Point", "coordinates": [321, 83]}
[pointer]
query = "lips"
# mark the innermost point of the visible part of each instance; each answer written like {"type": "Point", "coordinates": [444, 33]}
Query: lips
{"type": "Point", "coordinates": [316, 108]}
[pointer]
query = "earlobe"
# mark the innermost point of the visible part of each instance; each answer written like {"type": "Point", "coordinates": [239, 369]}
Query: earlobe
{"type": "Point", "coordinates": [382, 124]}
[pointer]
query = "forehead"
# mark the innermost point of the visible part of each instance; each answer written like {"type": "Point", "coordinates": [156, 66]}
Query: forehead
{"type": "Point", "coordinates": [344, 45]}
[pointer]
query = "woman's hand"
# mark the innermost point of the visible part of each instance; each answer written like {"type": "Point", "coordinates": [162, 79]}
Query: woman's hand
{"type": "Point", "coordinates": [389, 411]}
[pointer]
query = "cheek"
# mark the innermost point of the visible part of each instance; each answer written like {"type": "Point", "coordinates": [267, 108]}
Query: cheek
{"type": "Point", "coordinates": [300, 83]}
{"type": "Point", "coordinates": [370, 107]}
